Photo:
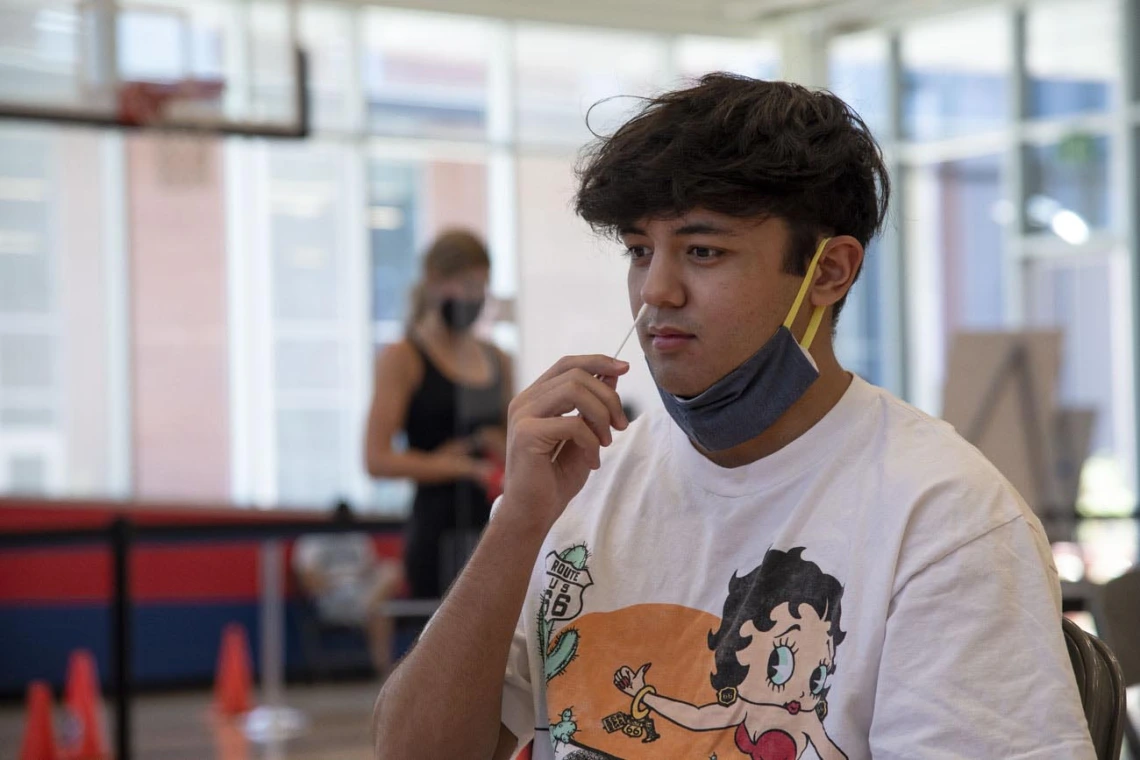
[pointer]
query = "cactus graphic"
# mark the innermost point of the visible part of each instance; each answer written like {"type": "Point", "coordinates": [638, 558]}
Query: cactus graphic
{"type": "Point", "coordinates": [576, 556]}
{"type": "Point", "coordinates": [558, 652]}
{"type": "Point", "coordinates": [564, 730]}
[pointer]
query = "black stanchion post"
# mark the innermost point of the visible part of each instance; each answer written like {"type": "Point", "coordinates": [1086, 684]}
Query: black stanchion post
{"type": "Point", "coordinates": [121, 635]}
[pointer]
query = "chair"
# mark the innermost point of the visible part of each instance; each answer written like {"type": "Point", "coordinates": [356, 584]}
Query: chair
{"type": "Point", "coordinates": [1101, 685]}
{"type": "Point", "coordinates": [1116, 609]}
{"type": "Point", "coordinates": [330, 649]}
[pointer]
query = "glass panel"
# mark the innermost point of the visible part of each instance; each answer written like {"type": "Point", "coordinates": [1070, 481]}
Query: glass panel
{"type": "Point", "coordinates": [859, 72]}
{"type": "Point", "coordinates": [954, 241]}
{"type": "Point", "coordinates": [162, 45]}
{"type": "Point", "coordinates": [27, 474]}
{"type": "Point", "coordinates": [425, 75]}
{"type": "Point", "coordinates": [54, 214]}
{"type": "Point", "coordinates": [393, 203]}
{"type": "Point", "coordinates": [307, 226]}
{"type": "Point", "coordinates": [971, 242]}
{"type": "Point", "coordinates": [271, 61]}
{"type": "Point", "coordinates": [326, 32]}
{"type": "Point", "coordinates": [25, 224]}
{"type": "Point", "coordinates": [1067, 186]}
{"type": "Point", "coordinates": [951, 88]}
{"type": "Point", "coordinates": [308, 364]}
{"type": "Point", "coordinates": [1077, 296]}
{"type": "Point", "coordinates": [560, 73]}
{"type": "Point", "coordinates": [30, 417]}
{"type": "Point", "coordinates": [859, 335]}
{"type": "Point", "coordinates": [311, 457]}
{"type": "Point", "coordinates": [754, 58]}
{"type": "Point", "coordinates": [410, 202]}
{"type": "Point", "coordinates": [310, 231]}
{"type": "Point", "coordinates": [1072, 56]}
{"type": "Point", "coordinates": [27, 362]}
{"type": "Point", "coordinates": [41, 44]}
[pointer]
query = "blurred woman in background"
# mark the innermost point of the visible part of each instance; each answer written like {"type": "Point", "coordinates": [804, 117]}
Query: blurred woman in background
{"type": "Point", "coordinates": [448, 391]}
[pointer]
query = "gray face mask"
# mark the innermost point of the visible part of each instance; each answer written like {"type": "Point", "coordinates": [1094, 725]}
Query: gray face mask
{"type": "Point", "coordinates": [747, 401]}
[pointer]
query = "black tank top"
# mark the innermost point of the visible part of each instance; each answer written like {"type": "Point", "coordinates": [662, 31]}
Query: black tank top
{"type": "Point", "coordinates": [442, 409]}
{"type": "Point", "coordinates": [446, 515]}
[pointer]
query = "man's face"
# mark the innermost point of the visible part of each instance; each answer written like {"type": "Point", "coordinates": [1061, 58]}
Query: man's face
{"type": "Point", "coordinates": [716, 290]}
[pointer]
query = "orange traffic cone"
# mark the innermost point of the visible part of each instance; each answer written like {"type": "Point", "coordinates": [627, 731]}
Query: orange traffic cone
{"type": "Point", "coordinates": [84, 705]}
{"type": "Point", "coordinates": [233, 682]}
{"type": "Point", "coordinates": [39, 735]}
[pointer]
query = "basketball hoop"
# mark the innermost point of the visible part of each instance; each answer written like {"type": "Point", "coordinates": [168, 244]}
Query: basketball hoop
{"type": "Point", "coordinates": [183, 158]}
{"type": "Point", "coordinates": [153, 104]}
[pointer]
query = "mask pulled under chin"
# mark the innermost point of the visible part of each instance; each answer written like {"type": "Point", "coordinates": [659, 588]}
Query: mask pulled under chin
{"type": "Point", "coordinates": [747, 401]}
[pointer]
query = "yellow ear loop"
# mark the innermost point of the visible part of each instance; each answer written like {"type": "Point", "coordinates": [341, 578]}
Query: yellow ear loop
{"type": "Point", "coordinates": [817, 314]}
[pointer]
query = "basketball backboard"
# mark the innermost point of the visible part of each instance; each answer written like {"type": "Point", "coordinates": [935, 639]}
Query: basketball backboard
{"type": "Point", "coordinates": [214, 66]}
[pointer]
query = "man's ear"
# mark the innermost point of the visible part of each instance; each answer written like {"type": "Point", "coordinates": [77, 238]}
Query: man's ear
{"type": "Point", "coordinates": [836, 272]}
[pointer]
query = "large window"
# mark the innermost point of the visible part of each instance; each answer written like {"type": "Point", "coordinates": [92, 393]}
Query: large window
{"type": "Point", "coordinates": [1009, 190]}
{"type": "Point", "coordinates": [1072, 57]}
{"type": "Point", "coordinates": [62, 429]}
{"type": "Point", "coordinates": [562, 75]}
{"type": "Point", "coordinates": [426, 75]}
{"type": "Point", "coordinates": [951, 88]}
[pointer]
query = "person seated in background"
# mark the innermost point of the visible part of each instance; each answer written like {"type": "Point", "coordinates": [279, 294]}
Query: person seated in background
{"type": "Point", "coordinates": [349, 584]}
{"type": "Point", "coordinates": [447, 391]}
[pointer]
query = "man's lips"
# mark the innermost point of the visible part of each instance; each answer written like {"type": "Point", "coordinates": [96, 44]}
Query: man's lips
{"type": "Point", "coordinates": [792, 707]}
{"type": "Point", "coordinates": [668, 338]}
{"type": "Point", "coordinates": [667, 332]}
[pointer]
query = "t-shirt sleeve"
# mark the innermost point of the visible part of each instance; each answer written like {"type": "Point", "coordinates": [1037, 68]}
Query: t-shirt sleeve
{"type": "Point", "coordinates": [518, 694]}
{"type": "Point", "coordinates": [974, 662]}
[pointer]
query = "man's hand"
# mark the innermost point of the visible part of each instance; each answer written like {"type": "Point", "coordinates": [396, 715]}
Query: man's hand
{"type": "Point", "coordinates": [540, 418]}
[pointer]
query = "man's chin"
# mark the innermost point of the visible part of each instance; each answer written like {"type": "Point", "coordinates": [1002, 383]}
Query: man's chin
{"type": "Point", "coordinates": [673, 384]}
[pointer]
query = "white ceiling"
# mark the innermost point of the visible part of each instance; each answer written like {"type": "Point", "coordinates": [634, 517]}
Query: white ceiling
{"type": "Point", "coordinates": [744, 18]}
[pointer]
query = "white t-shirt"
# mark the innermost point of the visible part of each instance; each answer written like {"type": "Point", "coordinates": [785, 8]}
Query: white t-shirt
{"type": "Point", "coordinates": [875, 588]}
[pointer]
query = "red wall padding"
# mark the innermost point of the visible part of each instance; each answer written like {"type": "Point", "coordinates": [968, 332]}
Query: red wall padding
{"type": "Point", "coordinates": [198, 571]}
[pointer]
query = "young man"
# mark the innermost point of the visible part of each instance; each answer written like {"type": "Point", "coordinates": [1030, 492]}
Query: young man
{"type": "Point", "coordinates": [781, 562]}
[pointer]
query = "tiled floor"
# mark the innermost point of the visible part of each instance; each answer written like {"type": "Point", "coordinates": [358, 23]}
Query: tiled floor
{"type": "Point", "coordinates": [181, 727]}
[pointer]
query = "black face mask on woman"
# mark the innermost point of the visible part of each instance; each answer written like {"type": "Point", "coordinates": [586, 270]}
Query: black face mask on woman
{"type": "Point", "coordinates": [460, 313]}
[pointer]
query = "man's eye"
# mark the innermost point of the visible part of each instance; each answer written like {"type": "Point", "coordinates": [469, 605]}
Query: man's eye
{"type": "Point", "coordinates": [703, 254]}
{"type": "Point", "coordinates": [637, 252]}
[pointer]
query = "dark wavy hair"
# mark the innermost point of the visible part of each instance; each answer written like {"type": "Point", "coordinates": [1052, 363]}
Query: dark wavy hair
{"type": "Point", "coordinates": [782, 577]}
{"type": "Point", "coordinates": [743, 147]}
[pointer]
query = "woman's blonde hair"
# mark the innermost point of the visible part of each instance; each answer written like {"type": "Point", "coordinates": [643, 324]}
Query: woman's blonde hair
{"type": "Point", "coordinates": [452, 253]}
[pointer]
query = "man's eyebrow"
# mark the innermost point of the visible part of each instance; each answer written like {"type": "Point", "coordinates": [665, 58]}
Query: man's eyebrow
{"type": "Point", "coordinates": [785, 633]}
{"type": "Point", "coordinates": [692, 228]}
{"type": "Point", "coordinates": [703, 228]}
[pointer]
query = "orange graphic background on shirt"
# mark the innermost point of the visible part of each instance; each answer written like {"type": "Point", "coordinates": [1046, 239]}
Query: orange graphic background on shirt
{"type": "Point", "coordinates": [675, 640]}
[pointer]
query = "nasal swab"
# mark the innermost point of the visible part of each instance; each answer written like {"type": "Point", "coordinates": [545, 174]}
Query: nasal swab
{"type": "Point", "coordinates": [640, 314]}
